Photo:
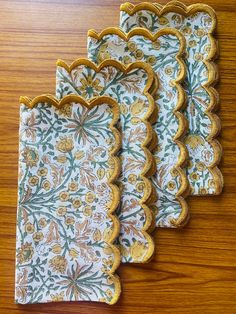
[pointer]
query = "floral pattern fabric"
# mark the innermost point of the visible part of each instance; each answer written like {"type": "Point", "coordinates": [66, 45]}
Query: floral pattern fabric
{"type": "Point", "coordinates": [196, 28]}
{"type": "Point", "coordinates": [64, 224]}
{"type": "Point", "coordinates": [161, 53]}
{"type": "Point", "coordinates": [129, 88]}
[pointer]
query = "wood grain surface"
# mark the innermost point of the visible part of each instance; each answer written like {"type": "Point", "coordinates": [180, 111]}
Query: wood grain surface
{"type": "Point", "coordinates": [194, 269]}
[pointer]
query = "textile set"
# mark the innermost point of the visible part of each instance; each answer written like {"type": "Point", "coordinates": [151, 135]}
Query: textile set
{"type": "Point", "coordinates": [130, 134]}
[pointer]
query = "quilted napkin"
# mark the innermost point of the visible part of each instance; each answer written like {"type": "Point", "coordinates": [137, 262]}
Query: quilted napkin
{"type": "Point", "coordinates": [163, 51]}
{"type": "Point", "coordinates": [197, 23]}
{"type": "Point", "coordinates": [130, 86]}
{"type": "Point", "coordinates": [66, 201]}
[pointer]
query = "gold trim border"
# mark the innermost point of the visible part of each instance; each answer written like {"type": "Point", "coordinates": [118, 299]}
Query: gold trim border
{"type": "Point", "coordinates": [148, 169]}
{"type": "Point", "coordinates": [183, 123]}
{"type": "Point", "coordinates": [52, 100]}
{"type": "Point", "coordinates": [181, 8]}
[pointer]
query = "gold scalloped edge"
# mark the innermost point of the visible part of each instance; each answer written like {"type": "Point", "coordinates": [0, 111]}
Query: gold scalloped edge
{"type": "Point", "coordinates": [181, 8]}
{"type": "Point", "coordinates": [183, 123]}
{"type": "Point", "coordinates": [148, 169]}
{"type": "Point", "coordinates": [53, 101]}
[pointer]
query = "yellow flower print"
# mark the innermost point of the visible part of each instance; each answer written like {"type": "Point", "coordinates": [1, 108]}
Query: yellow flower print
{"type": "Point", "coordinates": [131, 46]}
{"type": "Point", "coordinates": [207, 48]}
{"type": "Point", "coordinates": [108, 262]}
{"type": "Point", "coordinates": [169, 70]}
{"type": "Point", "coordinates": [110, 281]}
{"type": "Point", "coordinates": [61, 159]}
{"type": "Point", "coordinates": [200, 32]}
{"type": "Point", "coordinates": [156, 44]}
{"type": "Point", "coordinates": [65, 144]}
{"type": "Point", "coordinates": [61, 211]}
{"type": "Point", "coordinates": [104, 270]}
{"type": "Point", "coordinates": [46, 185]}
{"type": "Point", "coordinates": [194, 176]}
{"type": "Point", "coordinates": [111, 162]}
{"type": "Point", "coordinates": [198, 57]}
{"type": "Point", "coordinates": [207, 20]}
{"type": "Point", "coordinates": [139, 54]}
{"type": "Point", "coordinates": [151, 60]}
{"type": "Point", "coordinates": [200, 166]}
{"type": "Point", "coordinates": [107, 234]}
{"type": "Point", "coordinates": [42, 172]}
{"type": "Point", "coordinates": [134, 120]}
{"type": "Point", "coordinates": [211, 183]}
{"type": "Point", "coordinates": [140, 186]}
{"type": "Point", "coordinates": [108, 141]}
{"type": "Point", "coordinates": [57, 297]}
{"type": "Point", "coordinates": [66, 110]}
{"type": "Point", "coordinates": [79, 155]}
{"type": "Point", "coordinates": [56, 249]}
{"type": "Point", "coordinates": [25, 253]}
{"type": "Point", "coordinates": [194, 141]}
{"type": "Point", "coordinates": [203, 191]}
{"type": "Point", "coordinates": [76, 203]}
{"type": "Point", "coordinates": [127, 60]}
{"type": "Point", "coordinates": [38, 236]}
{"type": "Point", "coordinates": [123, 109]}
{"type": "Point", "coordinates": [163, 20]}
{"type": "Point", "coordinates": [30, 156]}
{"type": "Point", "coordinates": [186, 30]}
{"type": "Point", "coordinates": [171, 185]}
{"type": "Point", "coordinates": [97, 235]}
{"type": "Point", "coordinates": [89, 197]}
{"type": "Point", "coordinates": [176, 18]}
{"type": "Point", "coordinates": [73, 253]}
{"type": "Point", "coordinates": [73, 186]}
{"type": "Point", "coordinates": [107, 250]}
{"type": "Point", "coordinates": [174, 172]}
{"type": "Point", "coordinates": [109, 293]}
{"type": "Point", "coordinates": [29, 227]}
{"type": "Point", "coordinates": [172, 83]}
{"type": "Point", "coordinates": [58, 264]}
{"type": "Point", "coordinates": [192, 43]}
{"type": "Point", "coordinates": [102, 53]}
{"type": "Point", "coordinates": [101, 173]}
{"type": "Point", "coordinates": [87, 211]}
{"type": "Point", "coordinates": [104, 56]}
{"type": "Point", "coordinates": [109, 173]}
{"type": "Point", "coordinates": [33, 180]}
{"type": "Point", "coordinates": [42, 222]}
{"type": "Point", "coordinates": [132, 178]}
{"type": "Point", "coordinates": [89, 86]}
{"type": "Point", "coordinates": [64, 196]}
{"type": "Point", "coordinates": [137, 107]}
{"type": "Point", "coordinates": [70, 221]}
{"type": "Point", "coordinates": [137, 250]}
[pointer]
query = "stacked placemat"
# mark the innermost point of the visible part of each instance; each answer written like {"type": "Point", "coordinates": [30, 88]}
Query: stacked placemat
{"type": "Point", "coordinates": [130, 134]}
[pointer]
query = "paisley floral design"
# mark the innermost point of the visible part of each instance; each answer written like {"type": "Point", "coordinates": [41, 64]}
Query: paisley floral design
{"type": "Point", "coordinates": [163, 53]}
{"type": "Point", "coordinates": [196, 23]}
{"type": "Point", "coordinates": [129, 86]}
{"type": "Point", "coordinates": [65, 225]}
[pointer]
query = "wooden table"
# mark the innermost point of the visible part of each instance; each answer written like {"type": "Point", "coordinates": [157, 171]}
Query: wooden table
{"type": "Point", "coordinates": [194, 269]}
